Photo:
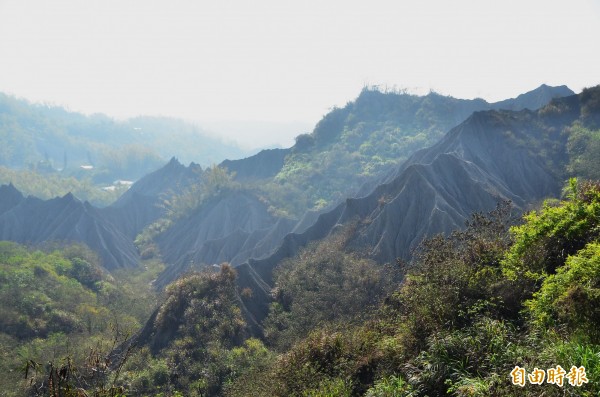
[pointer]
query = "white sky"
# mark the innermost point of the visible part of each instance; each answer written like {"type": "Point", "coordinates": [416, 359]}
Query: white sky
{"type": "Point", "coordinates": [286, 61]}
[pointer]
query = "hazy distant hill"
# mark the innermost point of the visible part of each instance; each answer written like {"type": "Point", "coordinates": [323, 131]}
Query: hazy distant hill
{"type": "Point", "coordinates": [535, 99]}
{"type": "Point", "coordinates": [51, 138]}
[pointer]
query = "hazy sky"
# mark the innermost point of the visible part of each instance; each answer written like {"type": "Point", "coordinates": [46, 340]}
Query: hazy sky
{"type": "Point", "coordinates": [286, 61]}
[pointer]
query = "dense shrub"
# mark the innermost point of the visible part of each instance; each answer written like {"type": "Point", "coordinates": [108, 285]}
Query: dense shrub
{"type": "Point", "coordinates": [324, 284]}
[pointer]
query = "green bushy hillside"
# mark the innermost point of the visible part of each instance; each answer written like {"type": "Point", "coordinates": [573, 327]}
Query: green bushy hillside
{"type": "Point", "coordinates": [58, 303]}
{"type": "Point", "coordinates": [475, 307]}
{"type": "Point", "coordinates": [463, 320]}
{"type": "Point", "coordinates": [196, 342]}
{"type": "Point", "coordinates": [359, 141]}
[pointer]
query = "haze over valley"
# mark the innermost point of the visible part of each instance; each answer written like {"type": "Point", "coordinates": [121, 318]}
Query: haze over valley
{"type": "Point", "coordinates": [333, 199]}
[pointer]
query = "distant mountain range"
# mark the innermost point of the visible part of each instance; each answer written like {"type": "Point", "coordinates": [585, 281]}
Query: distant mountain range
{"type": "Point", "coordinates": [491, 155]}
{"type": "Point", "coordinates": [50, 138]}
{"type": "Point", "coordinates": [231, 245]}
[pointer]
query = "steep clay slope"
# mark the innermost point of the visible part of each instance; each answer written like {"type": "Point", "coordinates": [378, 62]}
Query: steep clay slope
{"type": "Point", "coordinates": [140, 205]}
{"type": "Point", "coordinates": [108, 231]}
{"type": "Point", "coordinates": [34, 221]}
{"type": "Point", "coordinates": [231, 228]}
{"type": "Point", "coordinates": [493, 156]}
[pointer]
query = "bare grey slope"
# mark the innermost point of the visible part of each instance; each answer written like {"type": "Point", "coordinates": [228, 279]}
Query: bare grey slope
{"type": "Point", "coordinates": [232, 228]}
{"type": "Point", "coordinates": [492, 156]}
{"type": "Point", "coordinates": [33, 221]}
{"type": "Point", "coordinates": [141, 204]}
{"type": "Point", "coordinates": [108, 231]}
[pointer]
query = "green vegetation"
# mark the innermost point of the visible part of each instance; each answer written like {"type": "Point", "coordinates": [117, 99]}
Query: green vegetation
{"type": "Point", "coordinates": [472, 306]}
{"type": "Point", "coordinates": [462, 321]}
{"type": "Point", "coordinates": [199, 340]}
{"type": "Point", "coordinates": [324, 284]}
{"type": "Point", "coordinates": [57, 304]}
{"type": "Point", "coordinates": [456, 321]}
{"type": "Point", "coordinates": [356, 142]}
{"type": "Point", "coordinates": [53, 141]}
{"type": "Point", "coordinates": [210, 184]}
{"type": "Point", "coordinates": [583, 147]}
{"type": "Point", "coordinates": [571, 297]}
